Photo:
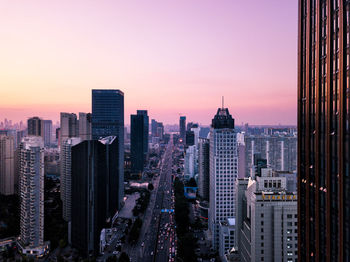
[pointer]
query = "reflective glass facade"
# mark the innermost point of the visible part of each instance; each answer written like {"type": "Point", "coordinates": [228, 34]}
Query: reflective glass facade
{"type": "Point", "coordinates": [323, 131]}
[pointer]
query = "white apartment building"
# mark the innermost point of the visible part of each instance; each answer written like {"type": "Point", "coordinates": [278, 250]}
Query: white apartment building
{"type": "Point", "coordinates": [31, 185]}
{"type": "Point", "coordinates": [223, 166]}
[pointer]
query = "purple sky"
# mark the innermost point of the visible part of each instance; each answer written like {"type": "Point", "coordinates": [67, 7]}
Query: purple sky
{"type": "Point", "coordinates": [168, 57]}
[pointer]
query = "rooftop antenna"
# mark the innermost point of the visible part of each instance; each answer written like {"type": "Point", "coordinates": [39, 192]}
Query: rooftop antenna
{"type": "Point", "coordinates": [222, 102]}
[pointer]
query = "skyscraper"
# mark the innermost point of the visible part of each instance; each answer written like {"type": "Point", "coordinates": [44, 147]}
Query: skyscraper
{"type": "Point", "coordinates": [7, 173]}
{"type": "Point", "coordinates": [108, 120]}
{"type": "Point", "coordinates": [139, 140]}
{"type": "Point", "coordinates": [34, 126]}
{"type": "Point", "coordinates": [203, 168]}
{"type": "Point", "coordinates": [324, 130]}
{"type": "Point", "coordinates": [94, 191]}
{"type": "Point", "coordinates": [154, 128]}
{"type": "Point", "coordinates": [182, 128]}
{"type": "Point", "coordinates": [47, 132]}
{"type": "Point", "coordinates": [69, 126]}
{"type": "Point", "coordinates": [66, 175]}
{"type": "Point", "coordinates": [223, 172]}
{"type": "Point", "coordinates": [85, 126]}
{"type": "Point", "coordinates": [31, 152]}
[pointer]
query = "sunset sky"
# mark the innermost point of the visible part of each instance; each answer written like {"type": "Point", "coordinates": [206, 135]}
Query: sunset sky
{"type": "Point", "coordinates": [168, 57]}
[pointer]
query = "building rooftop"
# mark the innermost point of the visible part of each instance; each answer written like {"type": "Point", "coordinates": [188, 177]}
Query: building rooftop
{"type": "Point", "coordinates": [32, 141]}
{"type": "Point", "coordinates": [223, 119]}
{"type": "Point", "coordinates": [107, 140]}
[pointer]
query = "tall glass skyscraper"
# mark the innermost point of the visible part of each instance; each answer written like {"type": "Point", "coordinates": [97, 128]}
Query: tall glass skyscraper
{"type": "Point", "coordinates": [139, 140]}
{"type": "Point", "coordinates": [182, 128]}
{"type": "Point", "coordinates": [108, 120]}
{"type": "Point", "coordinates": [94, 195]}
{"type": "Point", "coordinates": [324, 130]}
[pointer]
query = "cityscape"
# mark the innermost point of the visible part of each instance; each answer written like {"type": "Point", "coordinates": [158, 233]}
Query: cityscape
{"type": "Point", "coordinates": [148, 132]}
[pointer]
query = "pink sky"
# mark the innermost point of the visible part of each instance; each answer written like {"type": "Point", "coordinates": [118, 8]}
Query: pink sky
{"type": "Point", "coordinates": [168, 57]}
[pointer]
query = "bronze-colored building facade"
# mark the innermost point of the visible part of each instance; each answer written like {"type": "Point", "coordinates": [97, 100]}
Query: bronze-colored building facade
{"type": "Point", "coordinates": [323, 130]}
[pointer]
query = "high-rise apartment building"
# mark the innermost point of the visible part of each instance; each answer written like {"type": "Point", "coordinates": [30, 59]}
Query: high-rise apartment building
{"type": "Point", "coordinates": [85, 126]}
{"type": "Point", "coordinates": [69, 126]}
{"type": "Point", "coordinates": [66, 175]}
{"type": "Point", "coordinates": [279, 150]}
{"type": "Point", "coordinates": [182, 128]}
{"type": "Point", "coordinates": [7, 172]}
{"type": "Point", "coordinates": [190, 163]}
{"type": "Point", "coordinates": [241, 156]}
{"type": "Point", "coordinates": [157, 129]}
{"type": "Point", "coordinates": [160, 130]}
{"type": "Point", "coordinates": [34, 126]}
{"type": "Point", "coordinates": [154, 128]}
{"type": "Point", "coordinates": [47, 132]}
{"type": "Point", "coordinates": [266, 211]}
{"type": "Point", "coordinates": [223, 163]}
{"type": "Point", "coordinates": [324, 130]}
{"type": "Point", "coordinates": [108, 120]}
{"type": "Point", "coordinates": [31, 188]}
{"type": "Point", "coordinates": [94, 191]}
{"type": "Point", "coordinates": [139, 140]}
{"type": "Point", "coordinates": [203, 168]}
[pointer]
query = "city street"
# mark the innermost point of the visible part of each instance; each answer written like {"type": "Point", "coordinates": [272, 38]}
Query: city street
{"type": "Point", "coordinates": [159, 241]}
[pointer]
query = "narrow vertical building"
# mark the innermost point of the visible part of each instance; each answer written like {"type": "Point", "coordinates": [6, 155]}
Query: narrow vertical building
{"type": "Point", "coordinates": [94, 191]}
{"type": "Point", "coordinates": [47, 132]}
{"type": "Point", "coordinates": [7, 172]}
{"type": "Point", "coordinates": [66, 175]}
{"type": "Point", "coordinates": [108, 120]}
{"type": "Point", "coordinates": [182, 128]}
{"type": "Point", "coordinates": [324, 130]}
{"type": "Point", "coordinates": [139, 140]}
{"type": "Point", "coordinates": [85, 126]}
{"type": "Point", "coordinates": [223, 161]}
{"type": "Point", "coordinates": [203, 168]}
{"type": "Point", "coordinates": [31, 188]}
{"type": "Point", "coordinates": [69, 128]}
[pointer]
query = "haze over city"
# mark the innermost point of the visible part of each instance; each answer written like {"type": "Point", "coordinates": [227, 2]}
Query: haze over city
{"type": "Point", "coordinates": [167, 57]}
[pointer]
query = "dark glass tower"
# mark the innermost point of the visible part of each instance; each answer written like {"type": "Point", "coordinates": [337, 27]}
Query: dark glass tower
{"type": "Point", "coordinates": [182, 126]}
{"type": "Point", "coordinates": [94, 191]}
{"type": "Point", "coordinates": [108, 120]}
{"type": "Point", "coordinates": [34, 126]}
{"type": "Point", "coordinates": [139, 140]}
{"type": "Point", "coordinates": [323, 130]}
{"type": "Point", "coordinates": [154, 128]}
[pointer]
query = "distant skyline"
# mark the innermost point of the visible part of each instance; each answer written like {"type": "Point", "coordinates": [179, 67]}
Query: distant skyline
{"type": "Point", "coordinates": [169, 58]}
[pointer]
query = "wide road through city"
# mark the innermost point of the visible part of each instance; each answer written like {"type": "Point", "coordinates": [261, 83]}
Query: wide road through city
{"type": "Point", "coordinates": [160, 236]}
